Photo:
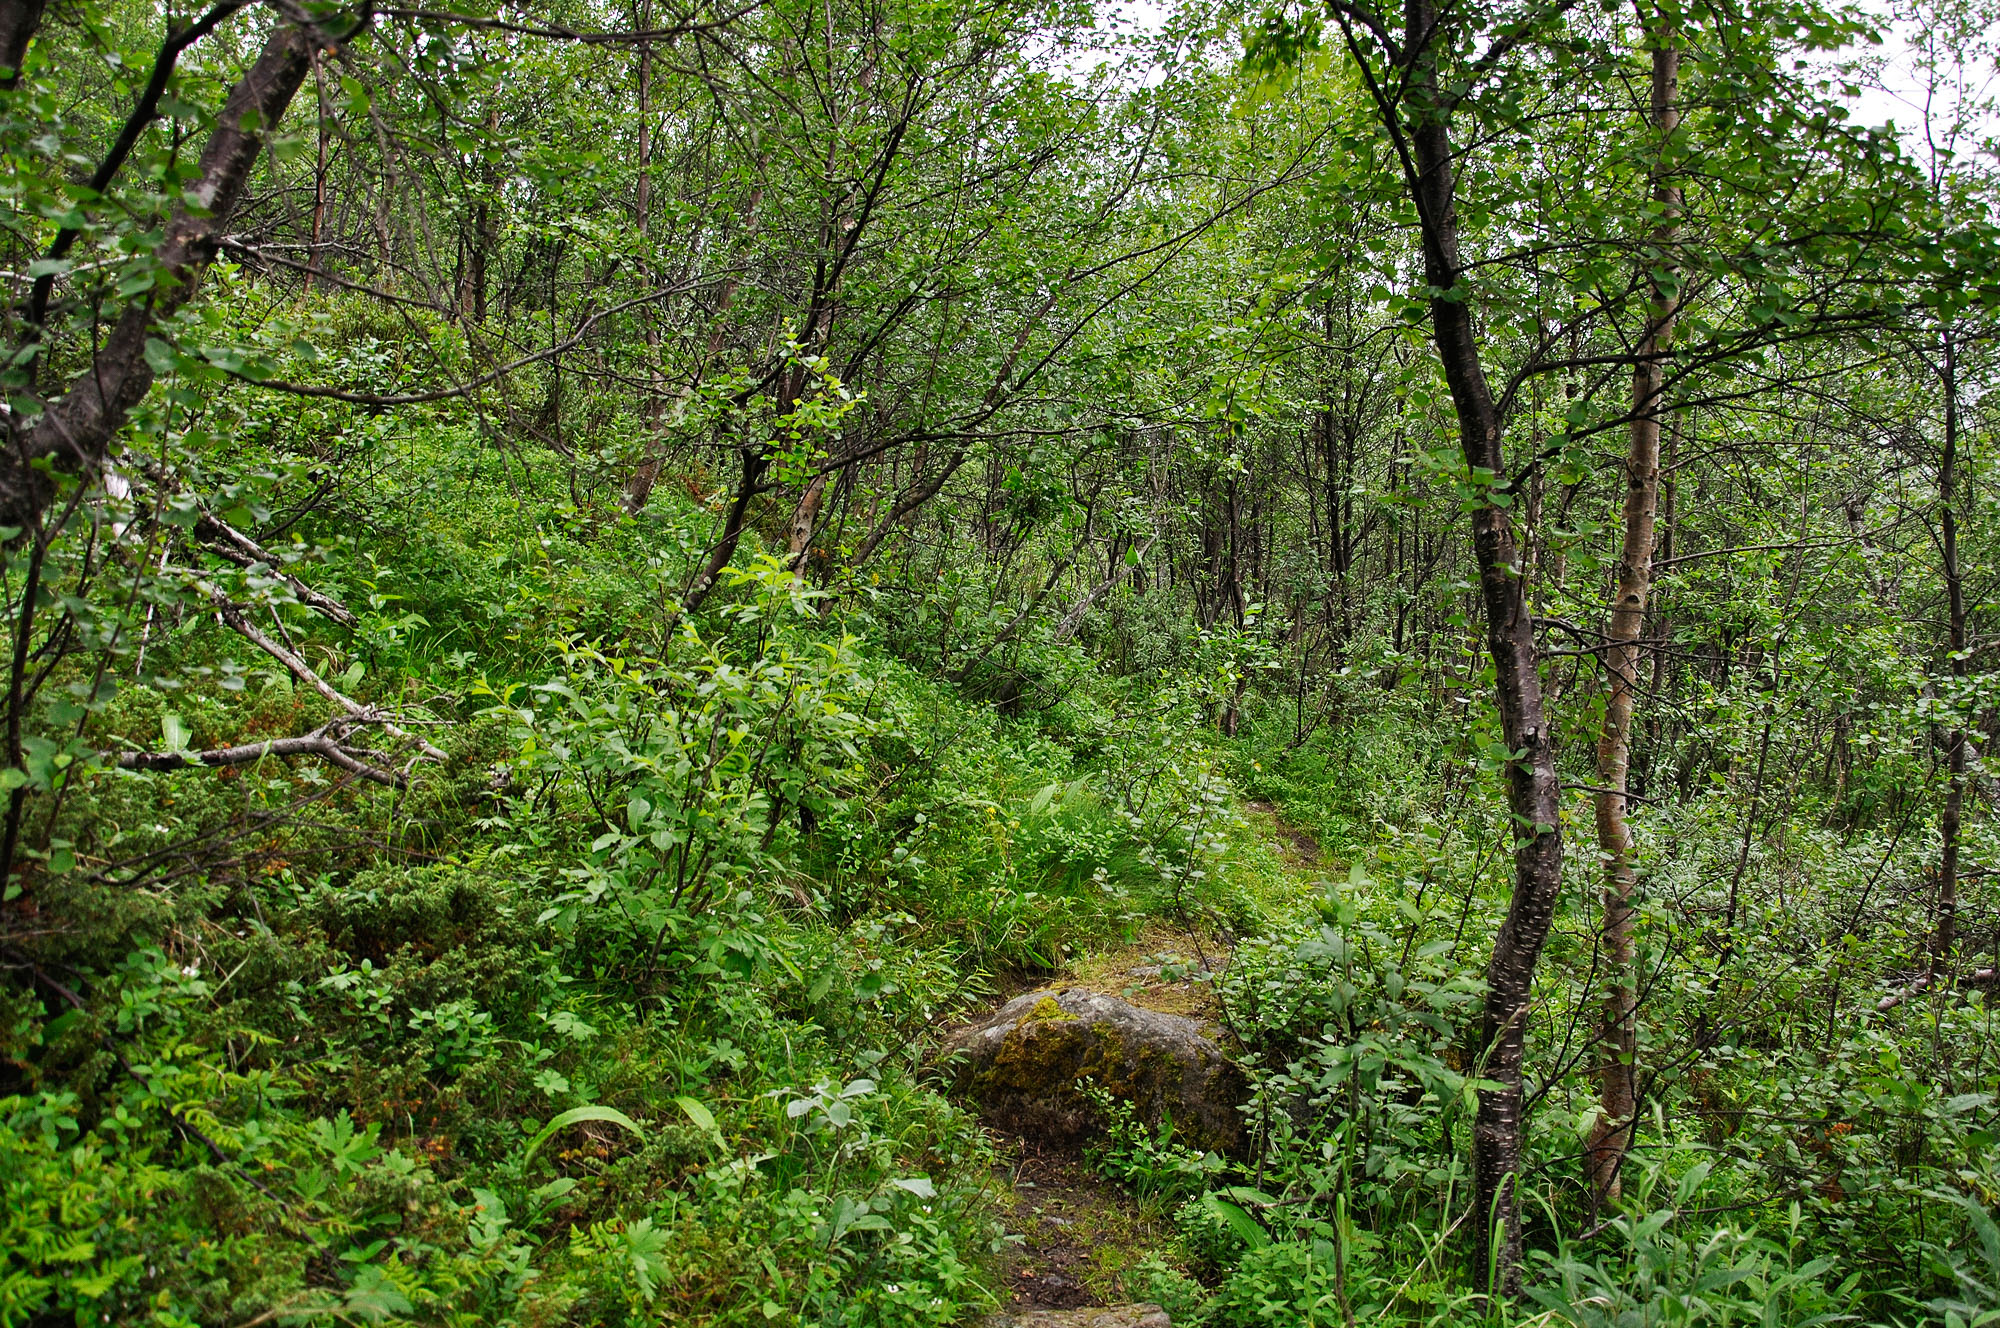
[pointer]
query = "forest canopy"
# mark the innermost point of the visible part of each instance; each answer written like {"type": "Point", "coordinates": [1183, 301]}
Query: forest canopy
{"type": "Point", "coordinates": [586, 582]}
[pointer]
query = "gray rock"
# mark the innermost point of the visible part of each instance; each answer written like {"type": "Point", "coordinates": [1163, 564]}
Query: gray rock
{"type": "Point", "coordinates": [1107, 1316]}
{"type": "Point", "coordinates": [1022, 1066]}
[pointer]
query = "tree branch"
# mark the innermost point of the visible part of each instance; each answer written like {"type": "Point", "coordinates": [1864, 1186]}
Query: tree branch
{"type": "Point", "coordinates": [143, 114]}
{"type": "Point", "coordinates": [321, 742]}
{"type": "Point", "coordinates": [74, 433]}
{"type": "Point", "coordinates": [233, 546]}
{"type": "Point", "coordinates": [233, 617]}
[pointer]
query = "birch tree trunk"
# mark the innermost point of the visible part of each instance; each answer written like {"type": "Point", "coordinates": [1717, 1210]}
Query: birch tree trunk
{"type": "Point", "coordinates": [1618, 1027]}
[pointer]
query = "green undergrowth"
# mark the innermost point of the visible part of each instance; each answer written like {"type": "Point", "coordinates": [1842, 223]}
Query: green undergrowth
{"type": "Point", "coordinates": [620, 1015]}
{"type": "Point", "coordinates": [1806, 1157]}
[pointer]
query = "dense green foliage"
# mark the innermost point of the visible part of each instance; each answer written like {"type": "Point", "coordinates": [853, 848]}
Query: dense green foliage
{"type": "Point", "coordinates": [779, 525]}
{"type": "Point", "coordinates": [334, 1040]}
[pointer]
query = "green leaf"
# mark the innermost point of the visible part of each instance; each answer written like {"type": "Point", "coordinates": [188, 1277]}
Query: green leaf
{"type": "Point", "coordinates": [577, 1115]}
{"type": "Point", "coordinates": [374, 1297]}
{"type": "Point", "coordinates": [703, 1119]}
{"type": "Point", "coordinates": [1247, 1228]}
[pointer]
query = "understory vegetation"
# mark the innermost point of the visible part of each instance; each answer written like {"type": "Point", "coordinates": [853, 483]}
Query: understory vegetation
{"type": "Point", "coordinates": [587, 580]}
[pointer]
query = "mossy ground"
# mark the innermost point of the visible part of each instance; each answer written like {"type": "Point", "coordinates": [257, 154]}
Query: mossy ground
{"type": "Point", "coordinates": [1134, 972]}
{"type": "Point", "coordinates": [1080, 1236]}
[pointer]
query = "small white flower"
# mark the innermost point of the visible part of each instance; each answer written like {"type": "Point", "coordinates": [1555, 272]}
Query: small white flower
{"type": "Point", "coordinates": [191, 971]}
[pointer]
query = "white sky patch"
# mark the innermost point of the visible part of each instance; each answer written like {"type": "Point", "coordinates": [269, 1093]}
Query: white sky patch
{"type": "Point", "coordinates": [1895, 79]}
{"type": "Point", "coordinates": [1938, 87]}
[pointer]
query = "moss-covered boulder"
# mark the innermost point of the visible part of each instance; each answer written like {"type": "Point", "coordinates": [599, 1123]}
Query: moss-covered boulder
{"type": "Point", "coordinates": [1024, 1067]}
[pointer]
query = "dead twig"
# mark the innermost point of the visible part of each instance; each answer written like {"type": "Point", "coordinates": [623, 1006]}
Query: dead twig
{"type": "Point", "coordinates": [323, 742]}
{"type": "Point", "coordinates": [233, 617]}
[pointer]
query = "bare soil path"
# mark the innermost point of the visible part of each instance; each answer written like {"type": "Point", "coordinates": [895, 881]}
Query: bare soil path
{"type": "Point", "coordinates": [1080, 1238]}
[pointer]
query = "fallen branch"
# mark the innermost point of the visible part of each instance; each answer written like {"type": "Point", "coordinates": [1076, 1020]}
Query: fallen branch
{"type": "Point", "coordinates": [321, 742]}
{"type": "Point", "coordinates": [1920, 985]}
{"type": "Point", "coordinates": [1066, 625]}
{"type": "Point", "coordinates": [233, 617]}
{"type": "Point", "coordinates": [233, 546]}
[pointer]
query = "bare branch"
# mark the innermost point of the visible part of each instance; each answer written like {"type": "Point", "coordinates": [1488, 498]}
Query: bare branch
{"type": "Point", "coordinates": [558, 32]}
{"type": "Point", "coordinates": [233, 546]}
{"type": "Point", "coordinates": [233, 617]}
{"type": "Point", "coordinates": [320, 742]}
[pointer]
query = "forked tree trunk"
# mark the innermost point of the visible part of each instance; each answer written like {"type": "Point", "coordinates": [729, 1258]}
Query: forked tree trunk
{"type": "Point", "coordinates": [1533, 791]}
{"type": "Point", "coordinates": [1617, 1036]}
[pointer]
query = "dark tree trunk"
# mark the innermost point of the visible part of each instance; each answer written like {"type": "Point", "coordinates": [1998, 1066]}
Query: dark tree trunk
{"type": "Point", "coordinates": [19, 21]}
{"type": "Point", "coordinates": [756, 460]}
{"type": "Point", "coordinates": [76, 430]}
{"type": "Point", "coordinates": [1532, 787]}
{"type": "Point", "coordinates": [1951, 819]}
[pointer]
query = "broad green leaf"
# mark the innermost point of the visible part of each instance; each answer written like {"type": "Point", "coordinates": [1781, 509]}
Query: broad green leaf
{"type": "Point", "coordinates": [578, 1115]}
{"type": "Point", "coordinates": [1247, 1228]}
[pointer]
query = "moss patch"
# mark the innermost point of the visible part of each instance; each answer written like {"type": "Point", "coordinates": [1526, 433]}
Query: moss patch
{"type": "Point", "coordinates": [1046, 1011]}
{"type": "Point", "coordinates": [1081, 1237]}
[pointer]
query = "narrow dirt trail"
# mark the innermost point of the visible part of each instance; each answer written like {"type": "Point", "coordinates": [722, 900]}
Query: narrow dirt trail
{"type": "Point", "coordinates": [1079, 1237]}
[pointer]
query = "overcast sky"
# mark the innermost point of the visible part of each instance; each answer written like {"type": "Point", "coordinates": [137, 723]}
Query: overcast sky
{"type": "Point", "coordinates": [1898, 99]}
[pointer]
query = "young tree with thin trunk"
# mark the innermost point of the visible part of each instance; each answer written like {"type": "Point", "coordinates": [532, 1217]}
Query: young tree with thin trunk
{"type": "Point", "coordinates": [1416, 111]}
{"type": "Point", "coordinates": [1625, 624]}
{"type": "Point", "coordinates": [1951, 819]}
{"type": "Point", "coordinates": [1956, 101]}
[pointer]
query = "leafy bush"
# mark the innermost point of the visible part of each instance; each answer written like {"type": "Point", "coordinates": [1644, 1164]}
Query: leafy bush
{"type": "Point", "coordinates": [1148, 1161]}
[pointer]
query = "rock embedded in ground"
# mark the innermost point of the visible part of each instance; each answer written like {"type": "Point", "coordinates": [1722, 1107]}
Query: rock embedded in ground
{"type": "Point", "coordinates": [1024, 1067]}
{"type": "Point", "coordinates": [1102, 1316]}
